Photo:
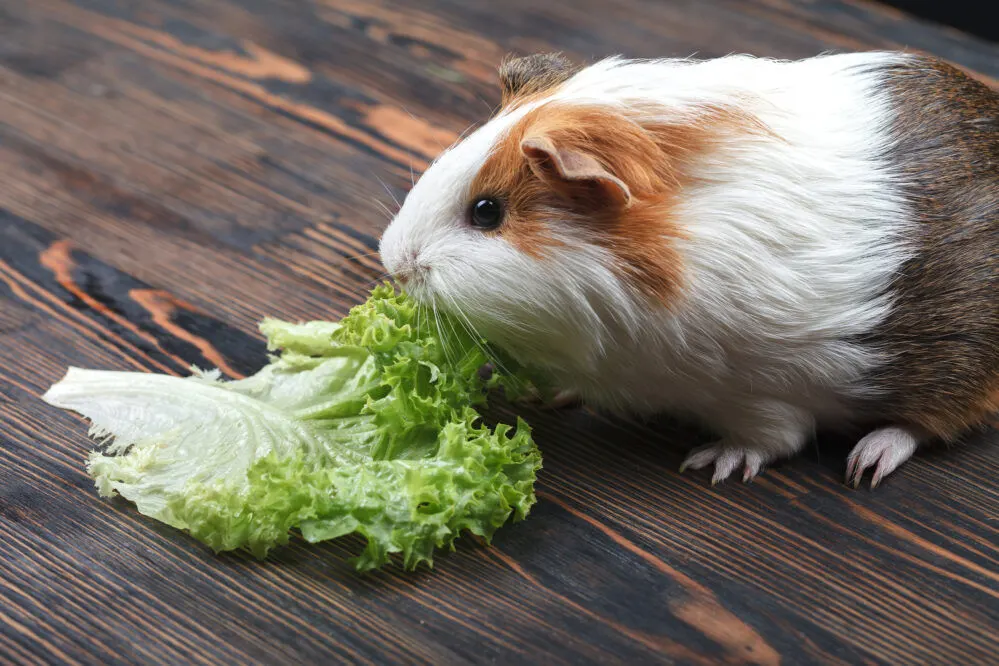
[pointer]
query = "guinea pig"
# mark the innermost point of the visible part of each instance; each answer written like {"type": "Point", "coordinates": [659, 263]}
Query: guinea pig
{"type": "Point", "coordinates": [767, 246]}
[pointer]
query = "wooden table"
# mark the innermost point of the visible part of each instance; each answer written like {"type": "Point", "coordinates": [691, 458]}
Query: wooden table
{"type": "Point", "coordinates": [173, 171]}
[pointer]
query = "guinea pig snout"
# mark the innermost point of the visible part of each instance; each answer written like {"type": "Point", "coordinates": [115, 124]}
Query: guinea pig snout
{"type": "Point", "coordinates": [411, 269]}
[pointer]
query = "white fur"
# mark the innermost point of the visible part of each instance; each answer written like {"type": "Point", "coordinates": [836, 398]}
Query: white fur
{"type": "Point", "coordinates": [791, 241]}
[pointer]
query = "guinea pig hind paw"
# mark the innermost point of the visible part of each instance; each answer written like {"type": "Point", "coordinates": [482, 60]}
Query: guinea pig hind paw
{"type": "Point", "coordinates": [883, 449]}
{"type": "Point", "coordinates": [726, 460]}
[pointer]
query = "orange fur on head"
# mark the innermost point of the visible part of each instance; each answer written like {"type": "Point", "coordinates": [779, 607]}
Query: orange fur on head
{"type": "Point", "coordinates": [616, 174]}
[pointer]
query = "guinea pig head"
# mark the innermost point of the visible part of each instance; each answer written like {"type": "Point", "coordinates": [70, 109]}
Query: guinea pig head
{"type": "Point", "coordinates": [547, 230]}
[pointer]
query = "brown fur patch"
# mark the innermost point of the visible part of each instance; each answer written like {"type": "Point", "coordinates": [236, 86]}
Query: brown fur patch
{"type": "Point", "coordinates": [944, 330]}
{"type": "Point", "coordinates": [986, 412]}
{"type": "Point", "coordinates": [526, 77]}
{"type": "Point", "coordinates": [649, 156]}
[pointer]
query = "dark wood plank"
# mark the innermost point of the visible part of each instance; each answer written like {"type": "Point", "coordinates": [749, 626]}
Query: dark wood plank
{"type": "Point", "coordinates": [174, 171]}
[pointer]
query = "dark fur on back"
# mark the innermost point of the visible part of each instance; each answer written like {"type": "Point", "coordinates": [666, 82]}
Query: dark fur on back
{"type": "Point", "coordinates": [944, 329]}
{"type": "Point", "coordinates": [522, 77]}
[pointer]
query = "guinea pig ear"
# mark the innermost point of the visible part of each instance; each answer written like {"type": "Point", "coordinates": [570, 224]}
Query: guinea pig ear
{"type": "Point", "coordinates": [532, 74]}
{"type": "Point", "coordinates": [573, 166]}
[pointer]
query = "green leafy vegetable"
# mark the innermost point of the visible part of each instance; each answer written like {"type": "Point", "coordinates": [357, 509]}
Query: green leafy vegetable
{"type": "Point", "coordinates": [367, 425]}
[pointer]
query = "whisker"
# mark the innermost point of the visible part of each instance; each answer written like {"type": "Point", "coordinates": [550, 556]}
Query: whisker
{"type": "Point", "coordinates": [451, 353]}
{"type": "Point", "coordinates": [489, 107]}
{"type": "Point", "coordinates": [470, 332]}
{"type": "Point", "coordinates": [356, 260]}
{"type": "Point", "coordinates": [385, 208]}
{"type": "Point", "coordinates": [466, 131]}
{"type": "Point", "coordinates": [421, 312]}
{"type": "Point", "coordinates": [440, 332]}
{"type": "Point", "coordinates": [398, 205]}
{"type": "Point", "coordinates": [417, 120]}
{"type": "Point", "coordinates": [380, 278]}
{"type": "Point", "coordinates": [355, 257]}
{"type": "Point", "coordinates": [447, 320]}
{"type": "Point", "coordinates": [477, 338]}
{"type": "Point", "coordinates": [477, 341]}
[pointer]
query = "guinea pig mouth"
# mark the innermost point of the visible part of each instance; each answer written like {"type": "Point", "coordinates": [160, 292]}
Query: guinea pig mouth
{"type": "Point", "coordinates": [413, 277]}
{"type": "Point", "coordinates": [415, 282]}
{"type": "Point", "coordinates": [411, 272]}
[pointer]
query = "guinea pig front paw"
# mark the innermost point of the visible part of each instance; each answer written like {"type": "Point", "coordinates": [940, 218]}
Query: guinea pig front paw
{"type": "Point", "coordinates": [563, 400]}
{"type": "Point", "coordinates": [884, 449]}
{"type": "Point", "coordinates": [727, 458]}
{"type": "Point", "coordinates": [560, 400]}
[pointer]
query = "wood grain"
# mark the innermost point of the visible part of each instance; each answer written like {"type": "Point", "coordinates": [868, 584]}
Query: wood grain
{"type": "Point", "coordinates": [175, 171]}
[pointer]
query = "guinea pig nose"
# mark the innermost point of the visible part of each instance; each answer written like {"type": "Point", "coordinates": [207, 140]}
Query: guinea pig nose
{"type": "Point", "coordinates": [410, 268]}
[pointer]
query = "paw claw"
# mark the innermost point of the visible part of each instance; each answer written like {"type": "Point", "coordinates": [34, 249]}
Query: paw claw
{"type": "Point", "coordinates": [884, 450]}
{"type": "Point", "coordinates": [754, 463]}
{"type": "Point", "coordinates": [851, 464]}
{"type": "Point", "coordinates": [562, 400]}
{"type": "Point", "coordinates": [700, 458]}
{"type": "Point", "coordinates": [725, 464]}
{"type": "Point", "coordinates": [726, 461]}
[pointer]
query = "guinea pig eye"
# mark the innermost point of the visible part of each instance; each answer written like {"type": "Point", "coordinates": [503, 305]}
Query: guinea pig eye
{"type": "Point", "coordinates": [486, 213]}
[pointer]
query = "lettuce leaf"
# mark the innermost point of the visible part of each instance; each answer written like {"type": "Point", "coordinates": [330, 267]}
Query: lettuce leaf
{"type": "Point", "coordinates": [366, 426]}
